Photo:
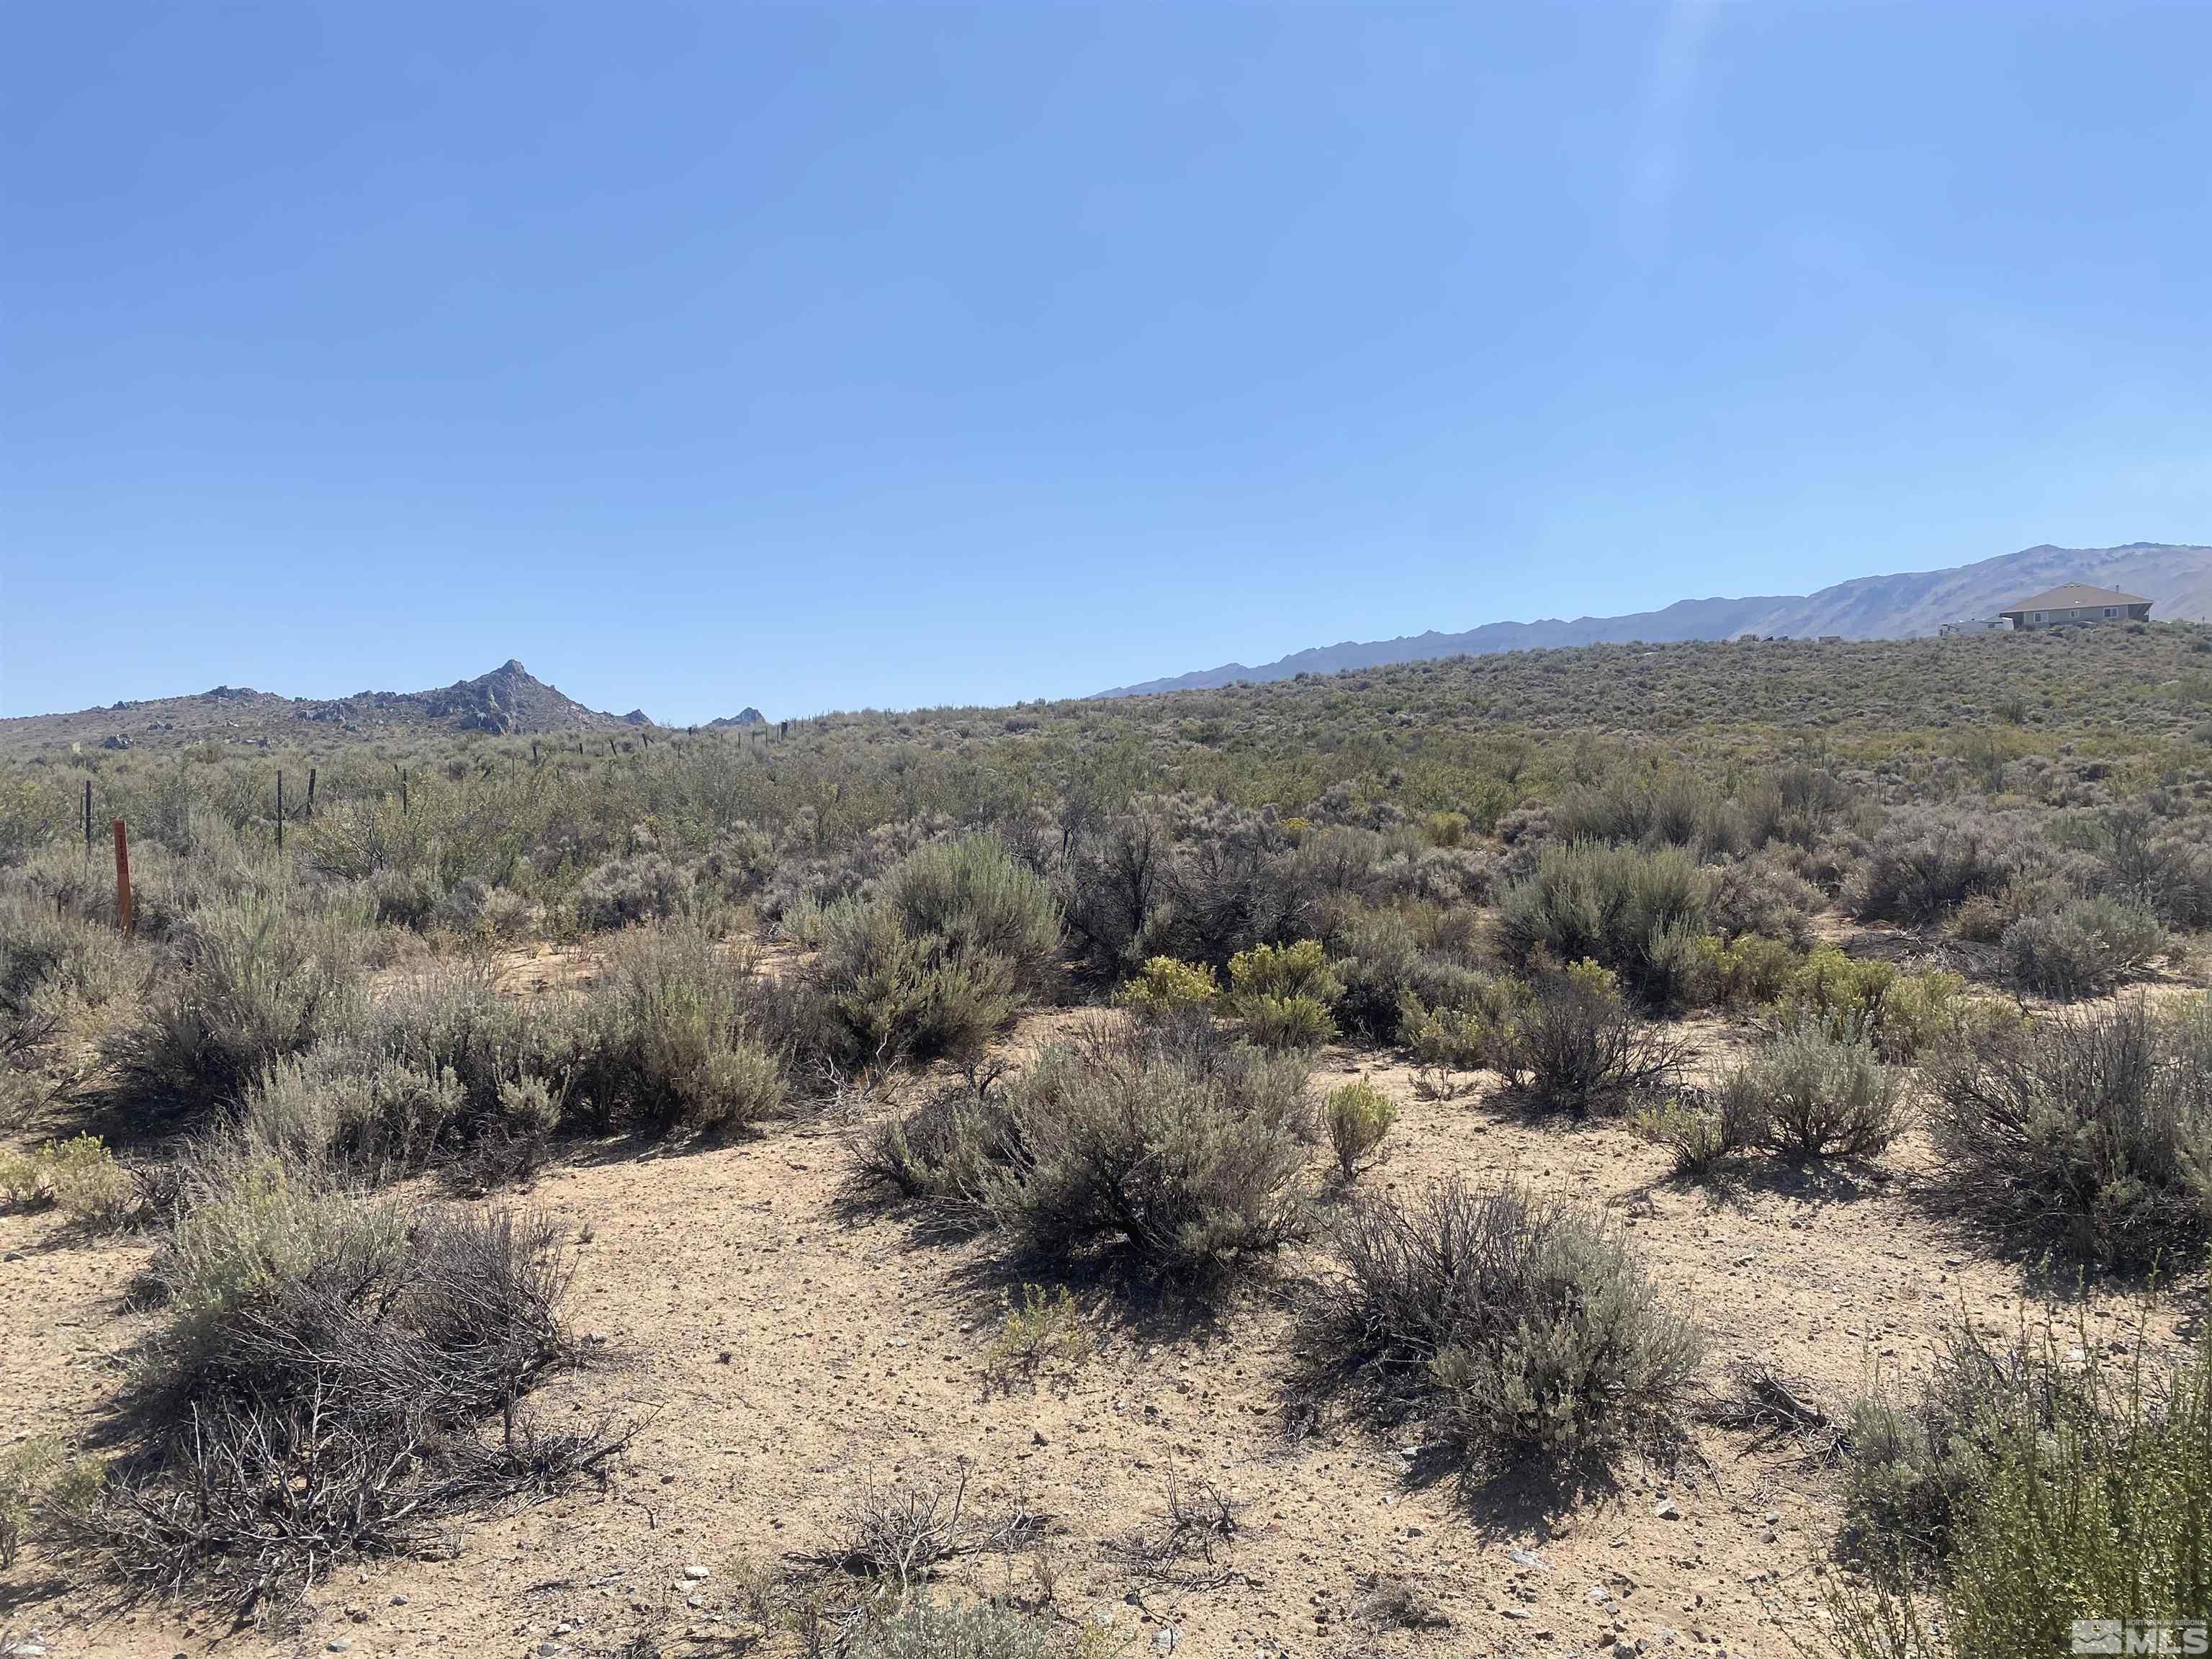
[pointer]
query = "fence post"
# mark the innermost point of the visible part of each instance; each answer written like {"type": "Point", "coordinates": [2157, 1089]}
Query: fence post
{"type": "Point", "coordinates": [280, 810]}
{"type": "Point", "coordinates": [88, 817]}
{"type": "Point", "coordinates": [311, 795]}
{"type": "Point", "coordinates": [123, 917]}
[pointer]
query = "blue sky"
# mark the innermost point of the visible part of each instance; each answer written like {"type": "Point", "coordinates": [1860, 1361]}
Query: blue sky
{"type": "Point", "coordinates": [814, 357]}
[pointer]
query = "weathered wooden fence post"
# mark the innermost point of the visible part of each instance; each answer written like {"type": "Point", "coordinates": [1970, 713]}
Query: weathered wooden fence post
{"type": "Point", "coordinates": [88, 817]}
{"type": "Point", "coordinates": [123, 917]}
{"type": "Point", "coordinates": [280, 810]}
{"type": "Point", "coordinates": [311, 795]}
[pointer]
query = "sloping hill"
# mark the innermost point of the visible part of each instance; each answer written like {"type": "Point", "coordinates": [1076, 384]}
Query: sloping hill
{"type": "Point", "coordinates": [509, 699]}
{"type": "Point", "coordinates": [2178, 579]}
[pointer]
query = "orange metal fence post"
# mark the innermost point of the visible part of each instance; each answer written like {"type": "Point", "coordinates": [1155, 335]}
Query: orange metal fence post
{"type": "Point", "coordinates": [122, 879]}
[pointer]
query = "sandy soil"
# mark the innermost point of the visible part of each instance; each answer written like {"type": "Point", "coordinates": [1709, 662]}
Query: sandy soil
{"type": "Point", "coordinates": [783, 1354]}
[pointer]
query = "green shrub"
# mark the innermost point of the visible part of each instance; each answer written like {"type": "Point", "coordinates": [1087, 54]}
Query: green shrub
{"type": "Point", "coordinates": [1926, 863]}
{"type": "Point", "coordinates": [1920, 1454]}
{"type": "Point", "coordinates": [972, 894]}
{"type": "Point", "coordinates": [1285, 970]}
{"type": "Point", "coordinates": [480, 911]}
{"type": "Point", "coordinates": [346, 1356]}
{"type": "Point", "coordinates": [1981, 919]}
{"type": "Point", "coordinates": [1358, 1116]}
{"type": "Point", "coordinates": [1286, 1022]}
{"type": "Point", "coordinates": [2050, 1494]}
{"type": "Point", "coordinates": [882, 996]}
{"type": "Point", "coordinates": [958, 938]}
{"type": "Point", "coordinates": [1759, 897]}
{"type": "Point", "coordinates": [1396, 967]}
{"type": "Point", "coordinates": [1673, 809]}
{"type": "Point", "coordinates": [1575, 1044]}
{"type": "Point", "coordinates": [945, 1153]}
{"type": "Point", "coordinates": [1864, 997]}
{"type": "Point", "coordinates": [1699, 1134]}
{"type": "Point", "coordinates": [674, 1035]}
{"type": "Point", "coordinates": [255, 984]}
{"type": "Point", "coordinates": [1807, 1092]}
{"type": "Point", "coordinates": [1519, 1327]}
{"type": "Point", "coordinates": [1164, 988]}
{"type": "Point", "coordinates": [1170, 1141]}
{"type": "Point", "coordinates": [1046, 1330]}
{"type": "Point", "coordinates": [624, 891]}
{"type": "Point", "coordinates": [404, 898]}
{"type": "Point", "coordinates": [1445, 829]}
{"type": "Point", "coordinates": [442, 1061]}
{"type": "Point", "coordinates": [1933, 1007]}
{"type": "Point", "coordinates": [2083, 949]}
{"type": "Point", "coordinates": [2093, 1129]}
{"type": "Point", "coordinates": [1637, 911]}
{"type": "Point", "coordinates": [1283, 992]}
{"type": "Point", "coordinates": [1375, 960]}
{"type": "Point", "coordinates": [1454, 1038]}
{"type": "Point", "coordinates": [1747, 971]}
{"type": "Point", "coordinates": [86, 1183]}
{"type": "Point", "coordinates": [30, 813]}
{"type": "Point", "coordinates": [252, 1218]}
{"type": "Point", "coordinates": [78, 1177]}
{"type": "Point", "coordinates": [48, 955]}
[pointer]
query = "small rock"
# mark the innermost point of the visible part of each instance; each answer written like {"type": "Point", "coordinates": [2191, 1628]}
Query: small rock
{"type": "Point", "coordinates": [1773, 1517]}
{"type": "Point", "coordinates": [399, 1601]}
{"type": "Point", "coordinates": [1598, 1595]}
{"type": "Point", "coordinates": [1666, 1511]}
{"type": "Point", "coordinates": [1527, 1559]}
{"type": "Point", "coordinates": [696, 1573]}
{"type": "Point", "coordinates": [1167, 1638]}
{"type": "Point", "coordinates": [337, 1644]}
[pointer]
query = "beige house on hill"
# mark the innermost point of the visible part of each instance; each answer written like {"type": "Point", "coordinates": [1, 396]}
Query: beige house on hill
{"type": "Point", "coordinates": [2076, 603]}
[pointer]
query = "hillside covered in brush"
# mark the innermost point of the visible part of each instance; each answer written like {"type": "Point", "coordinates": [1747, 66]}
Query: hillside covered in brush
{"type": "Point", "coordinates": [2177, 578]}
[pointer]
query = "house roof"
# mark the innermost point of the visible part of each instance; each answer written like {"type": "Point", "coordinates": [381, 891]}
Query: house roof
{"type": "Point", "coordinates": [2074, 596]}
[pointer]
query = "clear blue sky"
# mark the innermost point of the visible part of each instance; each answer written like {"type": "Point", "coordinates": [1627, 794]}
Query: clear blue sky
{"type": "Point", "coordinates": [823, 356]}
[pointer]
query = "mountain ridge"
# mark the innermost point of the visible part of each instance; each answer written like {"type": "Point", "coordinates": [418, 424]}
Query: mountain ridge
{"type": "Point", "coordinates": [507, 701]}
{"type": "Point", "coordinates": [2176, 577]}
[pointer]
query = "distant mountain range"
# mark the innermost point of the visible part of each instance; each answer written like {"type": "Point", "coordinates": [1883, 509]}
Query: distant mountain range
{"type": "Point", "coordinates": [509, 699]}
{"type": "Point", "coordinates": [2177, 578]}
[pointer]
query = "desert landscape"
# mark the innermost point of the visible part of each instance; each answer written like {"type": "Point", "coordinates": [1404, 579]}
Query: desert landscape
{"type": "Point", "coordinates": [1688, 1148]}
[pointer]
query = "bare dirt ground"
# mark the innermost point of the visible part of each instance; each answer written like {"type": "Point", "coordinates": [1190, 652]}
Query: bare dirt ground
{"type": "Point", "coordinates": [783, 1353]}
